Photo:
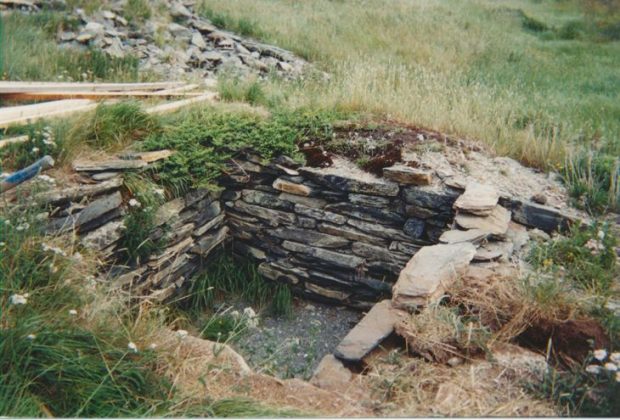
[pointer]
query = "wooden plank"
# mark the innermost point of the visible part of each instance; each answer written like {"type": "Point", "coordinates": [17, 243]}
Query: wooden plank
{"type": "Point", "coordinates": [24, 87]}
{"type": "Point", "coordinates": [27, 113]}
{"type": "Point", "coordinates": [13, 140]}
{"type": "Point", "coordinates": [33, 96]}
{"type": "Point", "coordinates": [173, 106]}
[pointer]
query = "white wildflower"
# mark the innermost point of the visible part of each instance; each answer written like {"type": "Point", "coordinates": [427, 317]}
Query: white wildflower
{"type": "Point", "coordinates": [42, 216]}
{"type": "Point", "coordinates": [7, 222]}
{"type": "Point", "coordinates": [53, 249]}
{"type": "Point", "coordinates": [160, 192]}
{"type": "Point", "coordinates": [181, 334]}
{"type": "Point", "coordinates": [600, 354]}
{"type": "Point", "coordinates": [35, 150]}
{"type": "Point", "coordinates": [72, 312]}
{"type": "Point", "coordinates": [594, 369]}
{"type": "Point", "coordinates": [617, 376]}
{"type": "Point", "coordinates": [134, 203]}
{"type": "Point", "coordinates": [23, 226]}
{"type": "Point", "coordinates": [615, 357]}
{"type": "Point", "coordinates": [17, 299]}
{"type": "Point", "coordinates": [53, 268]}
{"type": "Point", "coordinates": [235, 314]}
{"type": "Point", "coordinates": [31, 337]}
{"type": "Point", "coordinates": [47, 178]}
{"type": "Point", "coordinates": [249, 312]}
{"type": "Point", "coordinates": [152, 346]}
{"type": "Point", "coordinates": [601, 235]}
{"type": "Point", "coordinates": [610, 367]}
{"type": "Point", "coordinates": [2, 244]}
{"type": "Point", "coordinates": [132, 346]}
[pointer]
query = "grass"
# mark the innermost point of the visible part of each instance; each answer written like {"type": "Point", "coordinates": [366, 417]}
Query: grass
{"type": "Point", "coordinates": [52, 363]}
{"type": "Point", "coordinates": [227, 278]}
{"type": "Point", "coordinates": [480, 69]}
{"type": "Point", "coordinates": [28, 51]}
{"type": "Point", "coordinates": [136, 242]}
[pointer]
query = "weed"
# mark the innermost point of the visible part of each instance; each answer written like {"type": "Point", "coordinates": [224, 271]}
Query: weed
{"type": "Point", "coordinates": [585, 390]}
{"type": "Point", "coordinates": [226, 277]}
{"type": "Point", "coordinates": [245, 407]}
{"type": "Point", "coordinates": [111, 127]}
{"type": "Point", "coordinates": [137, 242]}
{"type": "Point", "coordinates": [586, 257]}
{"type": "Point", "coordinates": [244, 90]}
{"type": "Point", "coordinates": [137, 10]}
{"type": "Point", "coordinates": [243, 26]}
{"type": "Point", "coordinates": [208, 138]}
{"type": "Point", "coordinates": [43, 139]}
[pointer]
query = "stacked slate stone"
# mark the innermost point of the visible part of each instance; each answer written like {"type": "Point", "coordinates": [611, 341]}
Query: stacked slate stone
{"type": "Point", "coordinates": [337, 236]}
{"type": "Point", "coordinates": [187, 44]}
{"type": "Point", "coordinates": [189, 227]}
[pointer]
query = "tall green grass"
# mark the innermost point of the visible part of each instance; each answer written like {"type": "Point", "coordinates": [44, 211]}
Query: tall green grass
{"type": "Point", "coordinates": [28, 51]}
{"type": "Point", "coordinates": [535, 80]}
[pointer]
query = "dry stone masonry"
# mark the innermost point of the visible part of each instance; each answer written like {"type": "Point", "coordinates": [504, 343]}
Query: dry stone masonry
{"type": "Point", "coordinates": [336, 234]}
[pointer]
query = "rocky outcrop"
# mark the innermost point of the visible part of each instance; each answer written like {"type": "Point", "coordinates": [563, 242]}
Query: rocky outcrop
{"type": "Point", "coordinates": [182, 42]}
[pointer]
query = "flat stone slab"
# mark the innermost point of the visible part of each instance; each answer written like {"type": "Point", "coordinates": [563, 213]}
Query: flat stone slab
{"type": "Point", "coordinates": [457, 236]}
{"type": "Point", "coordinates": [331, 374]}
{"type": "Point", "coordinates": [109, 165]}
{"type": "Point", "coordinates": [407, 175]}
{"type": "Point", "coordinates": [310, 237]}
{"type": "Point", "coordinates": [495, 223]}
{"type": "Point", "coordinates": [429, 274]}
{"type": "Point", "coordinates": [368, 333]}
{"type": "Point", "coordinates": [291, 187]}
{"type": "Point", "coordinates": [494, 251]}
{"type": "Point", "coordinates": [478, 199]}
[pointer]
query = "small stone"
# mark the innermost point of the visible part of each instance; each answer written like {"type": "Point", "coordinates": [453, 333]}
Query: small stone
{"type": "Point", "coordinates": [414, 227]}
{"type": "Point", "coordinates": [496, 223]}
{"type": "Point", "coordinates": [291, 187]}
{"type": "Point", "coordinates": [407, 175]}
{"type": "Point", "coordinates": [455, 361]}
{"type": "Point", "coordinates": [198, 41]}
{"type": "Point", "coordinates": [457, 236]}
{"type": "Point", "coordinates": [539, 198]}
{"type": "Point", "coordinates": [478, 199]}
{"type": "Point", "coordinates": [178, 10]}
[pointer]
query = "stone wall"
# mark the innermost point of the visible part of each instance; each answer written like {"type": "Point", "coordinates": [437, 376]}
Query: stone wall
{"type": "Point", "coordinates": [189, 227]}
{"type": "Point", "coordinates": [335, 234]}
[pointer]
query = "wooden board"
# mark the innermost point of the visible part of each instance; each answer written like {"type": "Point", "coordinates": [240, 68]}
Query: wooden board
{"type": "Point", "coordinates": [24, 87]}
{"type": "Point", "coordinates": [13, 140]}
{"type": "Point", "coordinates": [23, 114]}
{"type": "Point", "coordinates": [173, 106]}
{"type": "Point", "coordinates": [33, 96]}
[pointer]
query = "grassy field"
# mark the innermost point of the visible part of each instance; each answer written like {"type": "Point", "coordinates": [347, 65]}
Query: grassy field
{"type": "Point", "coordinates": [535, 80]}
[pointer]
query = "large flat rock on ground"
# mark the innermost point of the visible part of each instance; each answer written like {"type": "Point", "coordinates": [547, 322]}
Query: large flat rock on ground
{"type": "Point", "coordinates": [368, 333]}
{"type": "Point", "coordinates": [430, 272]}
{"type": "Point", "coordinates": [478, 199]}
{"type": "Point", "coordinates": [496, 223]}
{"type": "Point", "coordinates": [457, 236]}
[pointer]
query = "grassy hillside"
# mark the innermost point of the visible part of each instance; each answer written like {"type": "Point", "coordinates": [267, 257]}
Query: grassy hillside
{"type": "Point", "coordinates": [531, 78]}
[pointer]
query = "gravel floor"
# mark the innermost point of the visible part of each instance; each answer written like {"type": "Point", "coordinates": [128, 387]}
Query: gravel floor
{"type": "Point", "coordinates": [293, 346]}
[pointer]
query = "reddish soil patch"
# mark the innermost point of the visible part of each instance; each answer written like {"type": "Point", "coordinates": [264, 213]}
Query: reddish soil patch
{"type": "Point", "coordinates": [386, 156]}
{"type": "Point", "coordinates": [571, 340]}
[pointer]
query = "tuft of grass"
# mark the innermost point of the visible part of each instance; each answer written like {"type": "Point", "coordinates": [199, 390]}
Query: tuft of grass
{"type": "Point", "coordinates": [226, 277]}
{"type": "Point", "coordinates": [29, 51]}
{"type": "Point", "coordinates": [51, 362]}
{"type": "Point", "coordinates": [245, 407]}
{"type": "Point", "coordinates": [238, 89]}
{"type": "Point", "coordinates": [137, 11]}
{"type": "Point", "coordinates": [136, 244]}
{"type": "Point", "coordinates": [577, 392]}
{"type": "Point", "coordinates": [43, 139]}
{"type": "Point", "coordinates": [111, 127]}
{"type": "Point", "coordinates": [586, 257]}
{"type": "Point", "coordinates": [243, 26]}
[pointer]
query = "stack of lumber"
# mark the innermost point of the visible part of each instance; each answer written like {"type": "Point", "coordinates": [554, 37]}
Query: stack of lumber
{"type": "Point", "coordinates": [69, 98]}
